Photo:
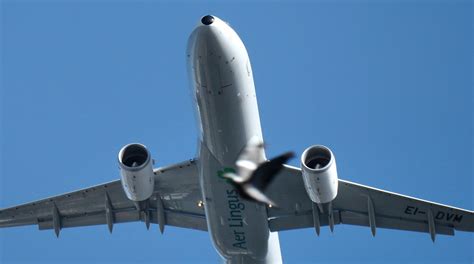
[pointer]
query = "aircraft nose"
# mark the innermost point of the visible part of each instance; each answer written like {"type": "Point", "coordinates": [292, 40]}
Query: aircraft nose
{"type": "Point", "coordinates": [207, 20]}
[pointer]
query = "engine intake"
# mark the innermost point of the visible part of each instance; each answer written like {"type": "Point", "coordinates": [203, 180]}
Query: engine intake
{"type": "Point", "coordinates": [318, 166]}
{"type": "Point", "coordinates": [136, 170]}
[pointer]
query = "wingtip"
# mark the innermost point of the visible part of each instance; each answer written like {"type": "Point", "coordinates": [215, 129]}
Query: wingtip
{"type": "Point", "coordinates": [289, 154]}
{"type": "Point", "coordinates": [258, 196]}
{"type": "Point", "coordinates": [274, 205]}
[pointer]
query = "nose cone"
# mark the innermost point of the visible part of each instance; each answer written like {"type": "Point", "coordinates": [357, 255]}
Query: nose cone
{"type": "Point", "coordinates": [207, 20]}
{"type": "Point", "coordinates": [213, 41]}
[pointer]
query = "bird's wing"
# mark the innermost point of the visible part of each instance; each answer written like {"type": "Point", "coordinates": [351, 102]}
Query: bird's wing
{"type": "Point", "coordinates": [268, 170]}
{"type": "Point", "coordinates": [251, 156]}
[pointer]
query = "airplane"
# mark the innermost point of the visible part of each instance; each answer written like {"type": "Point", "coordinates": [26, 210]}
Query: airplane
{"type": "Point", "coordinates": [207, 193]}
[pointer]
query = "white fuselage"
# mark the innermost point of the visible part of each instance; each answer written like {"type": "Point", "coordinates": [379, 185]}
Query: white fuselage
{"type": "Point", "coordinates": [224, 93]}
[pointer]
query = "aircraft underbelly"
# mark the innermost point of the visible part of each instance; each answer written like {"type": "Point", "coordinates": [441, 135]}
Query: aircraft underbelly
{"type": "Point", "coordinates": [228, 113]}
{"type": "Point", "coordinates": [237, 227]}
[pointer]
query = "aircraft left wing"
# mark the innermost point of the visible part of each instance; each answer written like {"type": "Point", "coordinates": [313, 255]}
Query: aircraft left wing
{"type": "Point", "coordinates": [360, 205]}
{"type": "Point", "coordinates": [175, 202]}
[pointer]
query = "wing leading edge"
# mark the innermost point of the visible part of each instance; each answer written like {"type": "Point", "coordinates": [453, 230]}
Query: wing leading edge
{"type": "Point", "coordinates": [174, 202]}
{"type": "Point", "coordinates": [361, 205]}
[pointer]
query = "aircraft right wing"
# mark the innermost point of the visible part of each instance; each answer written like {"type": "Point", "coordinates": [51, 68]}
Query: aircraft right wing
{"type": "Point", "coordinates": [361, 205]}
{"type": "Point", "coordinates": [175, 202]}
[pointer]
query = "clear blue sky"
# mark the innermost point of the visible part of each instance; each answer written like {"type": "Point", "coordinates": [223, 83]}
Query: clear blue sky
{"type": "Point", "coordinates": [388, 86]}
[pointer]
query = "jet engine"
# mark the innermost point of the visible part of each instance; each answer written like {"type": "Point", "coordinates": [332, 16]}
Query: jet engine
{"type": "Point", "coordinates": [318, 165]}
{"type": "Point", "coordinates": [136, 170]}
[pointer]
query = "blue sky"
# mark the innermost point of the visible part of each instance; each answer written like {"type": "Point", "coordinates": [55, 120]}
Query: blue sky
{"type": "Point", "coordinates": [387, 86]}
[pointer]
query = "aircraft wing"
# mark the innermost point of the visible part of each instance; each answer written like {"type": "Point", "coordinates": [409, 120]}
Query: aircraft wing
{"type": "Point", "coordinates": [174, 202]}
{"type": "Point", "coordinates": [360, 205]}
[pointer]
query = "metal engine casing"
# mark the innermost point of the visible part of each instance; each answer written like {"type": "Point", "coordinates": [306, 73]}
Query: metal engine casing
{"type": "Point", "coordinates": [318, 166]}
{"type": "Point", "coordinates": [136, 171]}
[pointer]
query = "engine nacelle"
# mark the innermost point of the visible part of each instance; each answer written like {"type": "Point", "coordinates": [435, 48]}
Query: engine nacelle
{"type": "Point", "coordinates": [318, 165]}
{"type": "Point", "coordinates": [136, 170]}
